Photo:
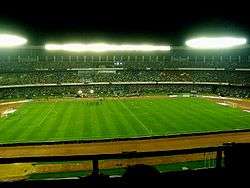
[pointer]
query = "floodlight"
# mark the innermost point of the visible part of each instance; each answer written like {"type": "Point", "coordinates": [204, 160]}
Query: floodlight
{"type": "Point", "coordinates": [215, 42]}
{"type": "Point", "coordinates": [52, 47]}
{"type": "Point", "coordinates": [7, 41]}
{"type": "Point", "coordinates": [102, 47]}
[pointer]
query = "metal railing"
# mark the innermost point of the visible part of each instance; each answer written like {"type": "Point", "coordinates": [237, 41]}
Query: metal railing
{"type": "Point", "coordinates": [125, 155]}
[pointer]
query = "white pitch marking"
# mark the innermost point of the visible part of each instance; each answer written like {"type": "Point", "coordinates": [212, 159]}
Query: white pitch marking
{"type": "Point", "coordinates": [134, 116]}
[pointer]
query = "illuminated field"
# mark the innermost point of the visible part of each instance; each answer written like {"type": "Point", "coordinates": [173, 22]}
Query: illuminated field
{"type": "Point", "coordinates": [73, 119]}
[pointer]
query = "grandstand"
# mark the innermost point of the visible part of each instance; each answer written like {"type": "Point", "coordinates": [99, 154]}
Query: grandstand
{"type": "Point", "coordinates": [224, 72]}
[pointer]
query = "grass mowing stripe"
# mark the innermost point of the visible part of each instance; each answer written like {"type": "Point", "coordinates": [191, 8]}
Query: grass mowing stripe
{"type": "Point", "coordinates": [64, 110]}
{"type": "Point", "coordinates": [149, 131]}
{"type": "Point", "coordinates": [130, 117]}
{"type": "Point", "coordinates": [167, 122]}
{"type": "Point", "coordinates": [122, 125]}
{"type": "Point", "coordinates": [87, 128]}
{"type": "Point", "coordinates": [31, 123]}
{"type": "Point", "coordinates": [130, 121]}
{"type": "Point", "coordinates": [105, 129]}
{"type": "Point", "coordinates": [175, 116]}
{"type": "Point", "coordinates": [79, 121]}
{"type": "Point", "coordinates": [41, 132]}
{"type": "Point", "coordinates": [156, 120]}
{"type": "Point", "coordinates": [95, 123]}
{"type": "Point", "coordinates": [69, 119]}
{"type": "Point", "coordinates": [13, 126]}
{"type": "Point", "coordinates": [53, 124]}
{"type": "Point", "coordinates": [35, 128]}
{"type": "Point", "coordinates": [38, 119]}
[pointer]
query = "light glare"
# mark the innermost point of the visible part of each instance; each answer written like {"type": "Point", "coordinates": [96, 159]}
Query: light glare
{"type": "Point", "coordinates": [215, 42]}
{"type": "Point", "coordinates": [102, 47]}
{"type": "Point", "coordinates": [7, 40]}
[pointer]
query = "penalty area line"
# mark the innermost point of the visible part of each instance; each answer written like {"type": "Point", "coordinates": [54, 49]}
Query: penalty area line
{"type": "Point", "coordinates": [135, 117]}
{"type": "Point", "coordinates": [52, 107]}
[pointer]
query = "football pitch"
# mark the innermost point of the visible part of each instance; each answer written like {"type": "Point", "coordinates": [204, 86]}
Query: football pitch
{"type": "Point", "coordinates": [93, 119]}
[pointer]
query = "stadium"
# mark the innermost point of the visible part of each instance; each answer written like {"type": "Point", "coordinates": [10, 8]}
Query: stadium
{"type": "Point", "coordinates": [130, 85]}
{"type": "Point", "coordinates": [64, 103]}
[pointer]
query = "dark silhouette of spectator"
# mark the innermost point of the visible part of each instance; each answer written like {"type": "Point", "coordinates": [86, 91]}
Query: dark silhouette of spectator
{"type": "Point", "coordinates": [141, 174]}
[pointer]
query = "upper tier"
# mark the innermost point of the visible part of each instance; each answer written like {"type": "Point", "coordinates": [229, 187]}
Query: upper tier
{"type": "Point", "coordinates": [31, 58]}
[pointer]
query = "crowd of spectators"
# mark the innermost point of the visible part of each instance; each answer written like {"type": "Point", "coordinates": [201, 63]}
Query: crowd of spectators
{"type": "Point", "coordinates": [47, 77]}
{"type": "Point", "coordinates": [172, 67]}
{"type": "Point", "coordinates": [123, 90]}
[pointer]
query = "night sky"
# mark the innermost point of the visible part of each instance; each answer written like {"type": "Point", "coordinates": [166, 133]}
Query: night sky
{"type": "Point", "coordinates": [124, 21]}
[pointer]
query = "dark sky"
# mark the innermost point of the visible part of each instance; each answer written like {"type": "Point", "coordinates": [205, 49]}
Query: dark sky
{"type": "Point", "coordinates": [124, 21]}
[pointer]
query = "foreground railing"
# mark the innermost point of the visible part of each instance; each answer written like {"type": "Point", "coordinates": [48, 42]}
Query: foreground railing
{"type": "Point", "coordinates": [125, 155]}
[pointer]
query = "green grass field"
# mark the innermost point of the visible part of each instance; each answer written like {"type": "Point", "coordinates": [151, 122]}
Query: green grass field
{"type": "Point", "coordinates": [73, 119]}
